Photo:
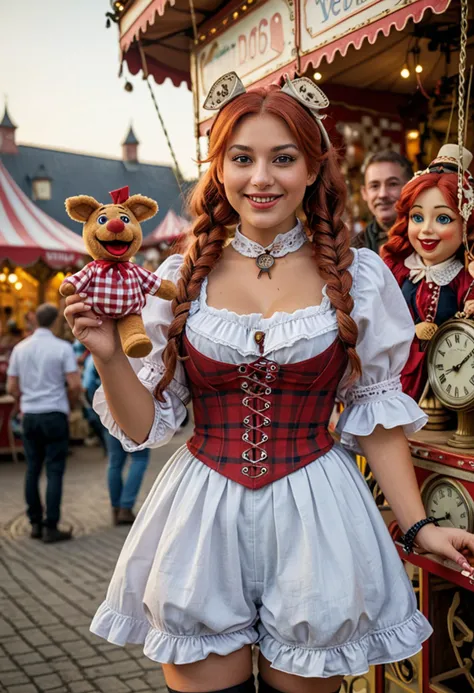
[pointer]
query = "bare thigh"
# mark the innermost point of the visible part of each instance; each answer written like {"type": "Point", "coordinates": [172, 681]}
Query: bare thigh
{"type": "Point", "coordinates": [216, 673]}
{"type": "Point", "coordinates": [211, 674]}
{"type": "Point", "coordinates": [289, 683]}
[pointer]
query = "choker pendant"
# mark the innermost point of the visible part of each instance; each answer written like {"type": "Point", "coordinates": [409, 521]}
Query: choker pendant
{"type": "Point", "coordinates": [265, 262]}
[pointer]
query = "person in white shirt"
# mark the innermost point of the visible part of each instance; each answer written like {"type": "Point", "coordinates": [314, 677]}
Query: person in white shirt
{"type": "Point", "coordinates": [43, 374]}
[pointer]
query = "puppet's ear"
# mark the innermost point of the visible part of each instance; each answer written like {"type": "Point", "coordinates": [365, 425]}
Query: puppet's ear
{"type": "Point", "coordinates": [141, 206]}
{"type": "Point", "coordinates": [81, 207]}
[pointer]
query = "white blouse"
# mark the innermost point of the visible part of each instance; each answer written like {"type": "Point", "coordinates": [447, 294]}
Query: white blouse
{"type": "Point", "coordinates": [385, 327]}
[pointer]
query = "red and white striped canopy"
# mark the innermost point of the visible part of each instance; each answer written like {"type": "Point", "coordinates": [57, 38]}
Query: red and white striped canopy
{"type": "Point", "coordinates": [171, 228]}
{"type": "Point", "coordinates": [27, 233]}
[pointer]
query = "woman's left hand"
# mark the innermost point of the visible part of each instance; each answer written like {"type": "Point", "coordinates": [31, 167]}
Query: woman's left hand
{"type": "Point", "coordinates": [447, 542]}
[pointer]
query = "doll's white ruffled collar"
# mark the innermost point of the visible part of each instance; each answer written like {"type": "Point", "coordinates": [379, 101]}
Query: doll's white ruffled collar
{"type": "Point", "coordinates": [441, 274]}
{"type": "Point", "coordinates": [283, 244]}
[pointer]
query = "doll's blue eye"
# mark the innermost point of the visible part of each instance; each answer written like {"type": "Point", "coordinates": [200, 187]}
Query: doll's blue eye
{"type": "Point", "coordinates": [417, 218]}
{"type": "Point", "coordinates": [443, 219]}
{"type": "Point", "coordinates": [102, 219]}
{"type": "Point", "coordinates": [125, 219]}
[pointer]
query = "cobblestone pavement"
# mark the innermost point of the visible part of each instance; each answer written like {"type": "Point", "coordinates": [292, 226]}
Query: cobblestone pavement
{"type": "Point", "coordinates": [48, 593]}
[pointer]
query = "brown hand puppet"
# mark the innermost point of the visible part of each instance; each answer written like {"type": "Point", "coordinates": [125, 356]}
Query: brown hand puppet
{"type": "Point", "coordinates": [115, 287]}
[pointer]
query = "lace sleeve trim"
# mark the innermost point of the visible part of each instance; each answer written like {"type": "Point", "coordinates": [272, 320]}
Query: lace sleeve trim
{"type": "Point", "coordinates": [378, 391]}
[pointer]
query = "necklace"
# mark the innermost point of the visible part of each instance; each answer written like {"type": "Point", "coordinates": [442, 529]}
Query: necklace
{"type": "Point", "coordinates": [283, 244]}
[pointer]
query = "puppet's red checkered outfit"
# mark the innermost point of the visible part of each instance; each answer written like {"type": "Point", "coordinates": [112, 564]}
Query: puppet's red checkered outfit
{"type": "Point", "coordinates": [115, 288]}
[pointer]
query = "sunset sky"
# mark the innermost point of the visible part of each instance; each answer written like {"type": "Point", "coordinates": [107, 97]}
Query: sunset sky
{"type": "Point", "coordinates": [58, 69]}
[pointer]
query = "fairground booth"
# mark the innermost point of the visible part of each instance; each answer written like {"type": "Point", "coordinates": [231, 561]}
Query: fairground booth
{"type": "Point", "coordinates": [389, 67]}
{"type": "Point", "coordinates": [35, 253]}
{"type": "Point", "coordinates": [392, 71]}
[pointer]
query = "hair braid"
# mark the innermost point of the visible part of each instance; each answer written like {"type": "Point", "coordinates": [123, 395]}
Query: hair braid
{"type": "Point", "coordinates": [201, 257]}
{"type": "Point", "coordinates": [331, 242]}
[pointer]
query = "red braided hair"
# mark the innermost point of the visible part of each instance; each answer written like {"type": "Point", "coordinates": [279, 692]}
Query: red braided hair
{"type": "Point", "coordinates": [323, 205]}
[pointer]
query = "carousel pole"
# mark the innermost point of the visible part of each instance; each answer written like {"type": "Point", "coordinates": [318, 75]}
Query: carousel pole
{"type": "Point", "coordinates": [465, 208]}
{"type": "Point", "coordinates": [195, 72]}
{"type": "Point", "coordinates": [177, 171]}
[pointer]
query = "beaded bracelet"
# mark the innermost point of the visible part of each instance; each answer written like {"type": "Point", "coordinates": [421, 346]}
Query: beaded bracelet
{"type": "Point", "coordinates": [409, 537]}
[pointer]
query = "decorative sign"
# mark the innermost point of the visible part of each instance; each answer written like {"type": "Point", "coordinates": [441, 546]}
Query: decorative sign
{"type": "Point", "coordinates": [255, 46]}
{"type": "Point", "coordinates": [58, 259]}
{"type": "Point", "coordinates": [324, 21]}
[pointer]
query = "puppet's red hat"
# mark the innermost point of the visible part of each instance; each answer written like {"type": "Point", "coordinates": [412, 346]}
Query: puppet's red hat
{"type": "Point", "coordinates": [120, 195]}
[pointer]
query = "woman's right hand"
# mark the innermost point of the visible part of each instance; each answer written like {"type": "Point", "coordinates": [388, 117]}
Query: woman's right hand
{"type": "Point", "coordinates": [98, 333]}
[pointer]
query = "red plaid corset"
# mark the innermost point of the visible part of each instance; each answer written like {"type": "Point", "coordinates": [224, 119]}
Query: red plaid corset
{"type": "Point", "coordinates": [257, 422]}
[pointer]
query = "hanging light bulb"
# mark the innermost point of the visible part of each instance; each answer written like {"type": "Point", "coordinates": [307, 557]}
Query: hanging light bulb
{"type": "Point", "coordinates": [12, 278]}
{"type": "Point", "coordinates": [3, 277]}
{"type": "Point", "coordinates": [317, 76]}
{"type": "Point", "coordinates": [419, 68]}
{"type": "Point", "coordinates": [405, 72]}
{"type": "Point", "coordinates": [18, 286]}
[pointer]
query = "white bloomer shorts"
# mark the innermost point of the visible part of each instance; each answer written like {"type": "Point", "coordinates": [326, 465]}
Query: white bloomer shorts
{"type": "Point", "coordinates": [305, 567]}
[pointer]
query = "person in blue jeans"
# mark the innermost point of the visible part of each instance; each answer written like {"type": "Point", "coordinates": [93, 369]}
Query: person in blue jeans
{"type": "Point", "coordinates": [123, 493]}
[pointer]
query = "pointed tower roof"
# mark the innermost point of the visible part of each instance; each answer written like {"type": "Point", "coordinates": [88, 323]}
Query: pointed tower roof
{"type": "Point", "coordinates": [131, 137]}
{"type": "Point", "coordinates": [7, 121]}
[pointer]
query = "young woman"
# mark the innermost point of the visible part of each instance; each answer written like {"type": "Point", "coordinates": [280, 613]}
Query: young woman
{"type": "Point", "coordinates": [261, 528]}
{"type": "Point", "coordinates": [425, 252]}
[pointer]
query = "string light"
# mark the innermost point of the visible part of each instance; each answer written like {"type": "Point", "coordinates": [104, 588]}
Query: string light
{"type": "Point", "coordinates": [18, 286]}
{"type": "Point", "coordinates": [413, 134]}
{"type": "Point", "coordinates": [419, 68]}
{"type": "Point", "coordinates": [405, 72]}
{"type": "Point", "coordinates": [3, 277]}
{"type": "Point", "coordinates": [317, 76]}
{"type": "Point", "coordinates": [12, 278]}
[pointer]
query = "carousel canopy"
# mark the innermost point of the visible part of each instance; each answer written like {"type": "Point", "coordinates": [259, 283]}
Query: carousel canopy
{"type": "Point", "coordinates": [28, 234]}
{"type": "Point", "coordinates": [171, 228]}
{"type": "Point", "coordinates": [260, 39]}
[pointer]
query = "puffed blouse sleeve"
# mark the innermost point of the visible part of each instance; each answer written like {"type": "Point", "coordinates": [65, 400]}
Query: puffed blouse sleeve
{"type": "Point", "coordinates": [169, 415]}
{"type": "Point", "coordinates": [386, 331]}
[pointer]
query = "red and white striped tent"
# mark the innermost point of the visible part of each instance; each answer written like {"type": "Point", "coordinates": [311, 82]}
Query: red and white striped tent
{"type": "Point", "coordinates": [28, 234]}
{"type": "Point", "coordinates": [171, 228]}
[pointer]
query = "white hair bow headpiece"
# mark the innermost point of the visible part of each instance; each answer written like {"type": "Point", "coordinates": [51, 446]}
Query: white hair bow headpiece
{"type": "Point", "coordinates": [303, 90]}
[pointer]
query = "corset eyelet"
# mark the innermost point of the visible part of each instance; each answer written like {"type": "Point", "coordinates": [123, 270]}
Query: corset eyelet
{"type": "Point", "coordinates": [268, 376]}
{"type": "Point", "coordinates": [242, 369]}
{"type": "Point", "coordinates": [268, 391]}
{"type": "Point", "coordinates": [244, 386]}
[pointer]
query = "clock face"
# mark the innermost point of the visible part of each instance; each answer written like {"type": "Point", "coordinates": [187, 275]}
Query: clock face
{"type": "Point", "coordinates": [449, 502]}
{"type": "Point", "coordinates": [451, 364]}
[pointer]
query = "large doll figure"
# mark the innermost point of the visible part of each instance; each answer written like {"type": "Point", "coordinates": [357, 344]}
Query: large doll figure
{"type": "Point", "coordinates": [425, 252]}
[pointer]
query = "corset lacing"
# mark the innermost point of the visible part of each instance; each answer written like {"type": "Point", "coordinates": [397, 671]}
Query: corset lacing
{"type": "Point", "coordinates": [257, 378]}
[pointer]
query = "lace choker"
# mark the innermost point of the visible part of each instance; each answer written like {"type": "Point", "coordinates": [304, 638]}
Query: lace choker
{"type": "Point", "coordinates": [283, 244]}
{"type": "Point", "coordinates": [440, 274]}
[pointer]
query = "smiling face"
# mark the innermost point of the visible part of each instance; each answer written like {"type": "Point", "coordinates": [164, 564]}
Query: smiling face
{"type": "Point", "coordinates": [112, 233]}
{"type": "Point", "coordinates": [434, 227]}
{"type": "Point", "coordinates": [265, 175]}
{"type": "Point", "coordinates": [383, 183]}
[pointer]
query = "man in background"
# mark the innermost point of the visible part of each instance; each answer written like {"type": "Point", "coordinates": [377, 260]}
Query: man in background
{"type": "Point", "coordinates": [43, 374]}
{"type": "Point", "coordinates": [385, 174]}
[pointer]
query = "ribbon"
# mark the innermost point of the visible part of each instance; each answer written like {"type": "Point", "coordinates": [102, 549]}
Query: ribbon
{"type": "Point", "coordinates": [119, 269]}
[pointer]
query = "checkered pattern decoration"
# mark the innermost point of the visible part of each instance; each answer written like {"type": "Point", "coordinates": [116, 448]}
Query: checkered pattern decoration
{"type": "Point", "coordinates": [115, 289]}
{"type": "Point", "coordinates": [257, 422]}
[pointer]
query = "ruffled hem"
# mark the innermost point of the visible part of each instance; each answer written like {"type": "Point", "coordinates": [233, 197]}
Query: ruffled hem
{"type": "Point", "coordinates": [353, 658]}
{"type": "Point", "coordinates": [118, 628]}
{"type": "Point", "coordinates": [165, 648]}
{"type": "Point", "coordinates": [361, 419]}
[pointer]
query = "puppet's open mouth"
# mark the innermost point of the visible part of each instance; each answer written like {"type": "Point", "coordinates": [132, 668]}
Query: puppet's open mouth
{"type": "Point", "coordinates": [117, 248]}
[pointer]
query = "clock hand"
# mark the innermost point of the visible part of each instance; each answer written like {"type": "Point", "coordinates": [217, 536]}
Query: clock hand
{"type": "Point", "coordinates": [466, 358]}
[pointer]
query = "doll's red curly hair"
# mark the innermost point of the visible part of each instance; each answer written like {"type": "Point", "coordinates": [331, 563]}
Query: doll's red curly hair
{"type": "Point", "coordinates": [398, 247]}
{"type": "Point", "coordinates": [323, 205]}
